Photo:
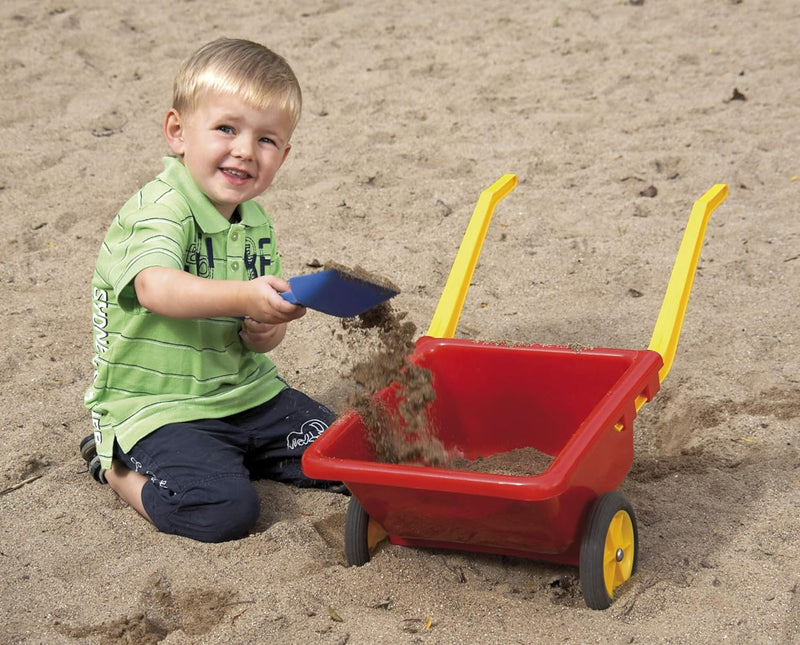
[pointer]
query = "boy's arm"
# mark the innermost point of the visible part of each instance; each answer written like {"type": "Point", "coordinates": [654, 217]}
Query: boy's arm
{"type": "Point", "coordinates": [177, 294]}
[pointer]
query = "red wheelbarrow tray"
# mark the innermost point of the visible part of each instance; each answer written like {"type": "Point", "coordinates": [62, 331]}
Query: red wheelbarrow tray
{"type": "Point", "coordinates": [577, 406]}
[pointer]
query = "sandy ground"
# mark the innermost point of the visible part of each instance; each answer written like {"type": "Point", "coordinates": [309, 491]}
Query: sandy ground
{"type": "Point", "coordinates": [412, 109]}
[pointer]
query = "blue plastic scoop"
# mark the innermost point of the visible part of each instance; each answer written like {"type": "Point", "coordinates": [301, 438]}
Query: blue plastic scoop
{"type": "Point", "coordinates": [338, 292]}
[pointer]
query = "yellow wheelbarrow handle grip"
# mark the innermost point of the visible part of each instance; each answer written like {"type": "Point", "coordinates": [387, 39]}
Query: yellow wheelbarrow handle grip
{"type": "Point", "coordinates": [445, 318]}
{"type": "Point", "coordinates": [670, 319]}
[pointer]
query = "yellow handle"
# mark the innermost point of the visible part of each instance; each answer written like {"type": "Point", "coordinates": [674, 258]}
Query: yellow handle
{"type": "Point", "coordinates": [445, 318]}
{"type": "Point", "coordinates": [670, 319]}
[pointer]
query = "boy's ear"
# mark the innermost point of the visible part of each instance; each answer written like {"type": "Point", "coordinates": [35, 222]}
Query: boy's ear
{"type": "Point", "coordinates": [173, 131]}
{"type": "Point", "coordinates": [285, 153]}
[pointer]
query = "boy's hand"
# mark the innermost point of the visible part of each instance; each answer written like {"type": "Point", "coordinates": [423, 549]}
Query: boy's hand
{"type": "Point", "coordinates": [265, 325]}
{"type": "Point", "coordinates": [265, 304]}
{"type": "Point", "coordinates": [261, 337]}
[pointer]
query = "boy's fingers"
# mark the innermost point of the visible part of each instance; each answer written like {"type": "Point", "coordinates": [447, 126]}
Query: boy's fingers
{"type": "Point", "coordinates": [286, 307]}
{"type": "Point", "coordinates": [279, 284]}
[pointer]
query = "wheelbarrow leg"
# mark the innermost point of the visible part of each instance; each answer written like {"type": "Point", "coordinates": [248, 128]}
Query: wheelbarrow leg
{"type": "Point", "coordinates": [609, 550]}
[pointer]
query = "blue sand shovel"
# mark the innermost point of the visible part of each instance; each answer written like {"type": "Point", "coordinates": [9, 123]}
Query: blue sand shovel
{"type": "Point", "coordinates": [338, 292]}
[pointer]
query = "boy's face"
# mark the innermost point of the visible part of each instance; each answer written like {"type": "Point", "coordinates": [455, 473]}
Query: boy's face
{"type": "Point", "coordinates": [231, 149]}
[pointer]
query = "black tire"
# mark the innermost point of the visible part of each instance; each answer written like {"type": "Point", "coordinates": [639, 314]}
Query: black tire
{"type": "Point", "coordinates": [356, 529]}
{"type": "Point", "coordinates": [609, 549]}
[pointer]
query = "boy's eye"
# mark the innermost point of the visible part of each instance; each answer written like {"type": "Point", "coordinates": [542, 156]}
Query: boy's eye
{"type": "Point", "coordinates": [225, 128]}
{"type": "Point", "coordinates": [267, 140]}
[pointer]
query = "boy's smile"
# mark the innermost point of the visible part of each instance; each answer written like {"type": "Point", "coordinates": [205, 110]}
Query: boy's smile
{"type": "Point", "coordinates": [231, 149]}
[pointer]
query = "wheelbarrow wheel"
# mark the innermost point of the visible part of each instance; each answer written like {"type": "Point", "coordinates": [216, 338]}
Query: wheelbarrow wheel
{"type": "Point", "coordinates": [609, 550]}
{"type": "Point", "coordinates": [356, 527]}
{"type": "Point", "coordinates": [361, 534]}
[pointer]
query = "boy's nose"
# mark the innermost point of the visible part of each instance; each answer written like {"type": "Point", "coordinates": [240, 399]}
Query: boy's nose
{"type": "Point", "coordinates": [242, 148]}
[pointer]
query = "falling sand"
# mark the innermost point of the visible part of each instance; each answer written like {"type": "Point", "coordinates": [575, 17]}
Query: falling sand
{"type": "Point", "coordinates": [402, 433]}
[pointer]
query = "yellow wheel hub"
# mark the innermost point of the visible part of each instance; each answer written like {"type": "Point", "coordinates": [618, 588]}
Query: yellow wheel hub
{"type": "Point", "coordinates": [618, 554]}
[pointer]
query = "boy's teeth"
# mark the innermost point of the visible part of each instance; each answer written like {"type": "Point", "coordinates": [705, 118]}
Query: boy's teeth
{"type": "Point", "coordinates": [237, 173]}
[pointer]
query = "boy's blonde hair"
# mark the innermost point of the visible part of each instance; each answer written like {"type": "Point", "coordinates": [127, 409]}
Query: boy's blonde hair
{"type": "Point", "coordinates": [259, 76]}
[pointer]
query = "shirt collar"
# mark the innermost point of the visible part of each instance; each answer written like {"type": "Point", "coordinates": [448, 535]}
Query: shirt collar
{"type": "Point", "coordinates": [205, 213]}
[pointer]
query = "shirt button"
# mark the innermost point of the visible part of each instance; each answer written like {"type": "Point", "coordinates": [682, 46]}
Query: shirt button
{"type": "Point", "coordinates": [234, 236]}
{"type": "Point", "coordinates": [235, 266]}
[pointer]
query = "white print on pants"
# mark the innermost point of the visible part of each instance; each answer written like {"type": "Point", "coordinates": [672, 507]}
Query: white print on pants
{"type": "Point", "coordinates": [306, 435]}
{"type": "Point", "coordinates": [137, 467]}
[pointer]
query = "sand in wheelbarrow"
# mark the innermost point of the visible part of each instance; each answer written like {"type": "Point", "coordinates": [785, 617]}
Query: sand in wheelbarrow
{"type": "Point", "coordinates": [406, 435]}
{"type": "Point", "coordinates": [522, 462]}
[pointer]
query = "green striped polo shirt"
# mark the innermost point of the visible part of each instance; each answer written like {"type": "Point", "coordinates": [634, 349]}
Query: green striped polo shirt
{"type": "Point", "coordinates": [150, 370]}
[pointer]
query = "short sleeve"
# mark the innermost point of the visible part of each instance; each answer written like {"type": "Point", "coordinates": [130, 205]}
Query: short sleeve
{"type": "Point", "coordinates": [153, 236]}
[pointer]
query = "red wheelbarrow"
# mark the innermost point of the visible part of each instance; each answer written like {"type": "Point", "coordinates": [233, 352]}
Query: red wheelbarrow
{"type": "Point", "coordinates": [575, 405]}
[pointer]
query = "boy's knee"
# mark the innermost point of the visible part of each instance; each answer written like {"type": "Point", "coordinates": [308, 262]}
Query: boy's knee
{"type": "Point", "coordinates": [235, 512]}
{"type": "Point", "coordinates": [219, 510]}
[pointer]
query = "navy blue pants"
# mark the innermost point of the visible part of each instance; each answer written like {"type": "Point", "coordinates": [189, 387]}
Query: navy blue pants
{"type": "Point", "coordinates": [199, 471]}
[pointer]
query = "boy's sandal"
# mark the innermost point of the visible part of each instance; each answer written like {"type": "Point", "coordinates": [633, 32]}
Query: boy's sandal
{"type": "Point", "coordinates": [88, 450]}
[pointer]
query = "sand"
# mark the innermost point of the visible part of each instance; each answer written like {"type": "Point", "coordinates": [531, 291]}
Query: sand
{"type": "Point", "coordinates": [615, 116]}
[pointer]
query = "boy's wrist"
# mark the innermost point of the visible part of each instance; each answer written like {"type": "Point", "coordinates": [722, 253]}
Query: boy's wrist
{"type": "Point", "coordinates": [240, 300]}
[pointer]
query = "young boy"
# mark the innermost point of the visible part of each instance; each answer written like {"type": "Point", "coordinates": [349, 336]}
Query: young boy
{"type": "Point", "coordinates": [186, 407]}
